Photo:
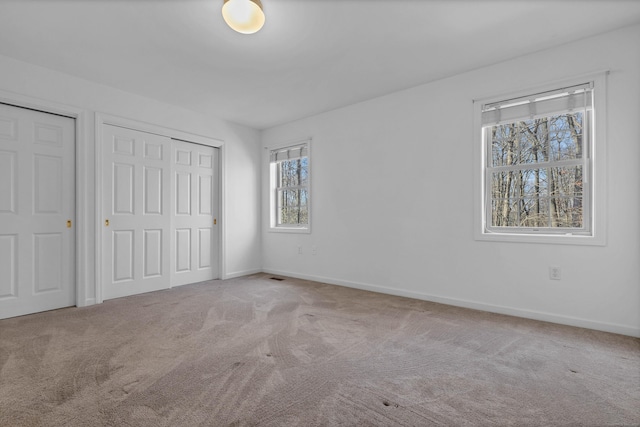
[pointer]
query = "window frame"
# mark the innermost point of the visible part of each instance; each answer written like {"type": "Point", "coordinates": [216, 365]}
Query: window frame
{"type": "Point", "coordinates": [274, 189]}
{"type": "Point", "coordinates": [594, 164]}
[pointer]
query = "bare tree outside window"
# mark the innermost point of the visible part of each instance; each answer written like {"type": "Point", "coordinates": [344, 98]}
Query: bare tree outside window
{"type": "Point", "coordinates": [537, 172]}
{"type": "Point", "coordinates": [537, 161]}
{"type": "Point", "coordinates": [289, 181]}
{"type": "Point", "coordinates": [292, 190]}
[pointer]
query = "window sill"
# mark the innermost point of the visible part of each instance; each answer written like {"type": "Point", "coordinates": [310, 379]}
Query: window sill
{"type": "Point", "coordinates": [292, 230]}
{"type": "Point", "coordinates": [553, 239]}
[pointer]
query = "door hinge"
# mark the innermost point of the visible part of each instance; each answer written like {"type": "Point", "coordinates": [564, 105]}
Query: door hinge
{"type": "Point", "coordinates": [68, 223]}
{"type": "Point", "coordinates": [106, 222]}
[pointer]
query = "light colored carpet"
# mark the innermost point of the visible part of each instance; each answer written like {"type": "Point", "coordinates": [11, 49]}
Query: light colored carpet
{"type": "Point", "coordinates": [254, 351]}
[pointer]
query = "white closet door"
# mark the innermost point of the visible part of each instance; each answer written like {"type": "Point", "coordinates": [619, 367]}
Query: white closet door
{"type": "Point", "coordinates": [37, 211]}
{"type": "Point", "coordinates": [136, 208]}
{"type": "Point", "coordinates": [194, 252]}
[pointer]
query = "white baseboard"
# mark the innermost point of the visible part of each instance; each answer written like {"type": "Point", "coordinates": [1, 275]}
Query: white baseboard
{"type": "Point", "coordinates": [241, 273]}
{"type": "Point", "coordinates": [511, 311]}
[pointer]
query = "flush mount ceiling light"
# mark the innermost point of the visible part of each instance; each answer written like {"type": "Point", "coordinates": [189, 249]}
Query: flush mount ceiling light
{"type": "Point", "coordinates": [244, 16]}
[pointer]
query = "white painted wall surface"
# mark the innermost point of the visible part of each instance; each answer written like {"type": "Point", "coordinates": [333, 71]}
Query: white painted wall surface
{"type": "Point", "coordinates": [242, 194]}
{"type": "Point", "coordinates": [377, 174]}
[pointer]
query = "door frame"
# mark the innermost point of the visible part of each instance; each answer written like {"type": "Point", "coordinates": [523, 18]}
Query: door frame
{"type": "Point", "coordinates": [79, 115]}
{"type": "Point", "coordinates": [102, 119]}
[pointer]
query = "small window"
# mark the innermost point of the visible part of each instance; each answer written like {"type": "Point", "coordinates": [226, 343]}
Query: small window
{"type": "Point", "coordinates": [290, 188]}
{"type": "Point", "coordinates": [538, 163]}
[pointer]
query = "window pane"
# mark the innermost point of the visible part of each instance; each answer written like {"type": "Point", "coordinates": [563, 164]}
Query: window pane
{"type": "Point", "coordinates": [504, 185]}
{"type": "Point", "coordinates": [520, 142]}
{"type": "Point", "coordinates": [520, 198]}
{"type": "Point", "coordinates": [289, 173]}
{"type": "Point", "coordinates": [504, 213]}
{"type": "Point", "coordinates": [293, 206]}
{"type": "Point", "coordinates": [304, 215]}
{"type": "Point", "coordinates": [293, 216]}
{"type": "Point", "coordinates": [533, 139]}
{"type": "Point", "coordinates": [533, 182]}
{"type": "Point", "coordinates": [566, 182]}
{"type": "Point", "coordinates": [304, 173]}
{"type": "Point", "coordinates": [304, 197]}
{"type": "Point", "coordinates": [293, 198]}
{"type": "Point", "coordinates": [293, 172]}
{"type": "Point", "coordinates": [538, 140]}
{"type": "Point", "coordinates": [289, 216]}
{"type": "Point", "coordinates": [504, 144]}
{"type": "Point", "coordinates": [566, 212]}
{"type": "Point", "coordinates": [565, 136]}
{"type": "Point", "coordinates": [534, 212]}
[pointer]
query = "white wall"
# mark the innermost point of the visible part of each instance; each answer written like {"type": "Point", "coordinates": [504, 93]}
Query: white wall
{"type": "Point", "coordinates": [242, 176]}
{"type": "Point", "coordinates": [377, 188]}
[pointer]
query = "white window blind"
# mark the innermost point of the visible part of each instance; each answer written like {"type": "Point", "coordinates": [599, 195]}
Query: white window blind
{"type": "Point", "coordinates": [289, 153]}
{"type": "Point", "coordinates": [544, 104]}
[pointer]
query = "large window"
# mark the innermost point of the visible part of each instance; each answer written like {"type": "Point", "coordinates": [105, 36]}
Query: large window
{"type": "Point", "coordinates": [290, 195]}
{"type": "Point", "coordinates": [538, 163]}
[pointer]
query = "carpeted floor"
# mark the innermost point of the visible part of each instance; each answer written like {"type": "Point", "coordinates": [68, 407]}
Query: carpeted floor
{"type": "Point", "coordinates": [254, 351]}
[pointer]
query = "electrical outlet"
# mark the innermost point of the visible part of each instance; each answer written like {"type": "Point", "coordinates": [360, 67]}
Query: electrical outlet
{"type": "Point", "coordinates": [299, 250]}
{"type": "Point", "coordinates": [314, 250]}
{"type": "Point", "coordinates": [555, 273]}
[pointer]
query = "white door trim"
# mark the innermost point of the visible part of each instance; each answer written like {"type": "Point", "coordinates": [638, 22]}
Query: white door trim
{"type": "Point", "coordinates": [81, 171]}
{"type": "Point", "coordinates": [100, 120]}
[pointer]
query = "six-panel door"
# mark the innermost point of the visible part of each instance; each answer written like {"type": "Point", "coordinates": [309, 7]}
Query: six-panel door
{"type": "Point", "coordinates": [37, 211]}
{"type": "Point", "coordinates": [160, 204]}
{"type": "Point", "coordinates": [194, 229]}
{"type": "Point", "coordinates": [136, 210]}
{"type": "Point", "coordinates": [160, 208]}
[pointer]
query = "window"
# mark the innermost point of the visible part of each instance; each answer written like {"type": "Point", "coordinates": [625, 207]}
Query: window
{"type": "Point", "coordinates": [537, 156]}
{"type": "Point", "coordinates": [290, 195]}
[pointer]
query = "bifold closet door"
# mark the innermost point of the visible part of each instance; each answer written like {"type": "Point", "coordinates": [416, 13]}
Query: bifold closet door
{"type": "Point", "coordinates": [194, 229]}
{"type": "Point", "coordinates": [37, 211]}
{"type": "Point", "coordinates": [136, 212]}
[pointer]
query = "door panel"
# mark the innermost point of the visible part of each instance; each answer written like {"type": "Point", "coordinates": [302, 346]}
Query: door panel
{"type": "Point", "coordinates": [8, 182]}
{"type": "Point", "coordinates": [122, 189]}
{"type": "Point", "coordinates": [153, 191]}
{"type": "Point", "coordinates": [204, 247]}
{"type": "Point", "coordinates": [194, 209]}
{"type": "Point", "coordinates": [37, 198]}
{"type": "Point", "coordinates": [205, 194]}
{"type": "Point", "coordinates": [183, 193]}
{"type": "Point", "coordinates": [123, 255]}
{"type": "Point", "coordinates": [48, 263]}
{"type": "Point", "coordinates": [136, 203]}
{"type": "Point", "coordinates": [153, 253]}
{"type": "Point", "coordinates": [48, 184]}
{"type": "Point", "coordinates": [8, 265]}
{"type": "Point", "coordinates": [183, 250]}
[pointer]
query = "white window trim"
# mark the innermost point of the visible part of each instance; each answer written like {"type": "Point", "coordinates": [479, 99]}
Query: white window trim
{"type": "Point", "coordinates": [271, 167]}
{"type": "Point", "coordinates": [598, 184]}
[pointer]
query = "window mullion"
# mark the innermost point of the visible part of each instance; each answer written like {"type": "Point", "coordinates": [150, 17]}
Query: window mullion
{"type": "Point", "coordinates": [539, 165]}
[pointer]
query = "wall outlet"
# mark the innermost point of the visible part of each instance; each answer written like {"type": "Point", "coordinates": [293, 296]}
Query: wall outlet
{"type": "Point", "coordinates": [314, 250]}
{"type": "Point", "coordinates": [555, 273]}
{"type": "Point", "coordinates": [299, 250]}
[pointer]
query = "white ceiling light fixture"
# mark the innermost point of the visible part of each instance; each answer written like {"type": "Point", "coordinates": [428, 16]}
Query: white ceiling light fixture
{"type": "Point", "coordinates": [243, 16]}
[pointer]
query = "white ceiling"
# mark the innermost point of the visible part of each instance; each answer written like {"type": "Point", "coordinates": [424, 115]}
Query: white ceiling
{"type": "Point", "coordinates": [311, 56]}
